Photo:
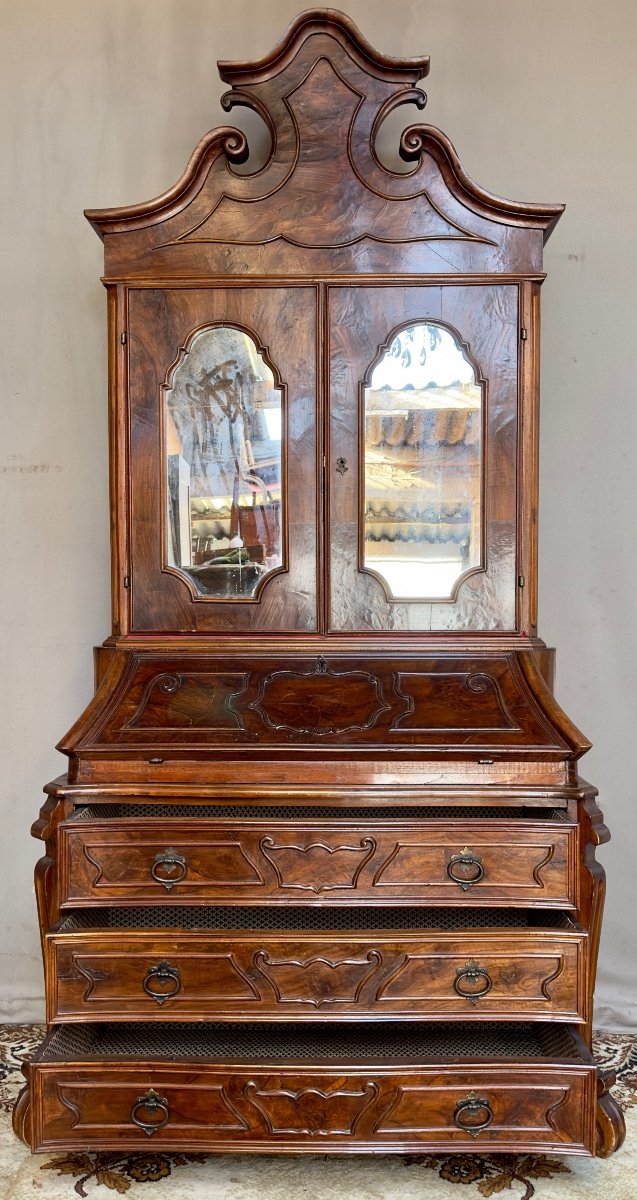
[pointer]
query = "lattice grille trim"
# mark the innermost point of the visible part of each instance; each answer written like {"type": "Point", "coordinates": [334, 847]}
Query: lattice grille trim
{"type": "Point", "coordinates": [272, 812]}
{"type": "Point", "coordinates": [269, 1043]}
{"type": "Point", "coordinates": [309, 919]}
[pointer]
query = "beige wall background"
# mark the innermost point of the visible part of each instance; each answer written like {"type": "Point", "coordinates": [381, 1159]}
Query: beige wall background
{"type": "Point", "coordinates": [102, 103]}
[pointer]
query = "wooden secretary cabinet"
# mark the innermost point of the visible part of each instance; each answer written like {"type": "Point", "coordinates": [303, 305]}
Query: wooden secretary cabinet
{"type": "Point", "coordinates": [322, 869]}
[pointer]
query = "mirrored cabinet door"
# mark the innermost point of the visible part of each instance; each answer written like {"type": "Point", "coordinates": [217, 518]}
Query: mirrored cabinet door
{"type": "Point", "coordinates": [422, 458]}
{"type": "Point", "coordinates": [223, 441]}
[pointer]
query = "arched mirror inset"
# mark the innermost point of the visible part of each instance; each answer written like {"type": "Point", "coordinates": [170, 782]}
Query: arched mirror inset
{"type": "Point", "coordinates": [224, 465]}
{"type": "Point", "coordinates": [423, 479]}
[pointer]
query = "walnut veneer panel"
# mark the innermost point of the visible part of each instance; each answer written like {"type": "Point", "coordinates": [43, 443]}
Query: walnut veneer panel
{"type": "Point", "coordinates": [463, 705]}
{"type": "Point", "coordinates": [362, 320]}
{"type": "Point", "coordinates": [154, 860]}
{"type": "Point", "coordinates": [283, 320]}
{"type": "Point", "coordinates": [316, 974]}
{"type": "Point", "coordinates": [488, 1099]}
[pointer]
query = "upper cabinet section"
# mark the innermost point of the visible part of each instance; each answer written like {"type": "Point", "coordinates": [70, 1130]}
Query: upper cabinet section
{"type": "Point", "coordinates": [324, 373]}
{"type": "Point", "coordinates": [324, 204]}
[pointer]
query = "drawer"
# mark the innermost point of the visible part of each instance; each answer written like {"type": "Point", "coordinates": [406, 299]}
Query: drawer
{"type": "Point", "coordinates": [242, 964]}
{"type": "Point", "coordinates": [286, 1088]}
{"type": "Point", "coordinates": [121, 854]}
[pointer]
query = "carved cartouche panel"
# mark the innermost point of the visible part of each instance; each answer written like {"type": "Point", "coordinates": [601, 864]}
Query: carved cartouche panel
{"type": "Point", "coordinates": [320, 702]}
{"type": "Point", "coordinates": [310, 1110]}
{"type": "Point", "coordinates": [317, 981]}
{"type": "Point", "coordinates": [318, 867]}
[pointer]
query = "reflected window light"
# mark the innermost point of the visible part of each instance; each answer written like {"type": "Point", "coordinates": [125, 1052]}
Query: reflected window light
{"type": "Point", "coordinates": [273, 423]}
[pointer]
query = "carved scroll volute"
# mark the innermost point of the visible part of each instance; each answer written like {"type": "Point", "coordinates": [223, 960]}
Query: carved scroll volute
{"type": "Point", "coordinates": [272, 86]}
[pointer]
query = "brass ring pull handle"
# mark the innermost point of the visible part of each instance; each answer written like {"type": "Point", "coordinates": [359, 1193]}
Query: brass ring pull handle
{"type": "Point", "coordinates": [164, 973]}
{"type": "Point", "coordinates": [462, 863]}
{"type": "Point", "coordinates": [472, 973]}
{"type": "Point", "coordinates": [470, 1108]}
{"type": "Point", "coordinates": [153, 1104]}
{"type": "Point", "coordinates": [167, 860]}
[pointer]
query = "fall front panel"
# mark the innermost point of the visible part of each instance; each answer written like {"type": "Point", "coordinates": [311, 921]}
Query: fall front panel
{"type": "Point", "coordinates": [222, 387]}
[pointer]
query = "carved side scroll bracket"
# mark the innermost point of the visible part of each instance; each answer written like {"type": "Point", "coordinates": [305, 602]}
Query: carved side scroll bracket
{"type": "Point", "coordinates": [611, 1126]}
{"type": "Point", "coordinates": [46, 868]}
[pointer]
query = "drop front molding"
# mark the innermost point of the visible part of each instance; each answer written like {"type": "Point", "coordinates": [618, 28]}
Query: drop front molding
{"type": "Point", "coordinates": [321, 871]}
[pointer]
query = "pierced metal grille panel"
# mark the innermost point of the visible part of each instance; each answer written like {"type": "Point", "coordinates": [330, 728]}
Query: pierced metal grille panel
{"type": "Point", "coordinates": [290, 1042]}
{"type": "Point", "coordinates": [299, 920]}
{"type": "Point", "coordinates": [324, 812]}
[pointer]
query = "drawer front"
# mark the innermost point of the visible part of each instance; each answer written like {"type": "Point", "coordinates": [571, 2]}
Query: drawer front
{"type": "Point", "coordinates": [171, 976]}
{"type": "Point", "coordinates": [490, 1108]}
{"type": "Point", "coordinates": [389, 862]}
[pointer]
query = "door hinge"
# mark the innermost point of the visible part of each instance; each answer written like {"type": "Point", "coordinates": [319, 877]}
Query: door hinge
{"type": "Point", "coordinates": [123, 337]}
{"type": "Point", "coordinates": [523, 333]}
{"type": "Point", "coordinates": [521, 581]}
{"type": "Point", "coordinates": [127, 581]}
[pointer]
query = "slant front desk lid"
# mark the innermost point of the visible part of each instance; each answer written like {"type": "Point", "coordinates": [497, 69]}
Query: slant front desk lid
{"type": "Point", "coordinates": [163, 708]}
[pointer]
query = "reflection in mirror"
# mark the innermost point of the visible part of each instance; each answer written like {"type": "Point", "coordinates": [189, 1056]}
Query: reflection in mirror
{"type": "Point", "coordinates": [223, 420]}
{"type": "Point", "coordinates": [423, 465]}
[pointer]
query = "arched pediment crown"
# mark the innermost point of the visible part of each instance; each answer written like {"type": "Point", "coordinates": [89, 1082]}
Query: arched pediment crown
{"type": "Point", "coordinates": [323, 94]}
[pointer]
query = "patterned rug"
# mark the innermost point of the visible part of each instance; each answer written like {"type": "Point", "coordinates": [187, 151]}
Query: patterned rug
{"type": "Point", "coordinates": [316, 1177]}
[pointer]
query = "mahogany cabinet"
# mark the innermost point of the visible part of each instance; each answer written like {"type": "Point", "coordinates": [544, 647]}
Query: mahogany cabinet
{"type": "Point", "coordinates": [321, 871]}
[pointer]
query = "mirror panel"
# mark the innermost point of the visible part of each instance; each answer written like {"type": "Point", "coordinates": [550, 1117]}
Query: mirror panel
{"type": "Point", "coordinates": [223, 422]}
{"type": "Point", "coordinates": [422, 527]}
